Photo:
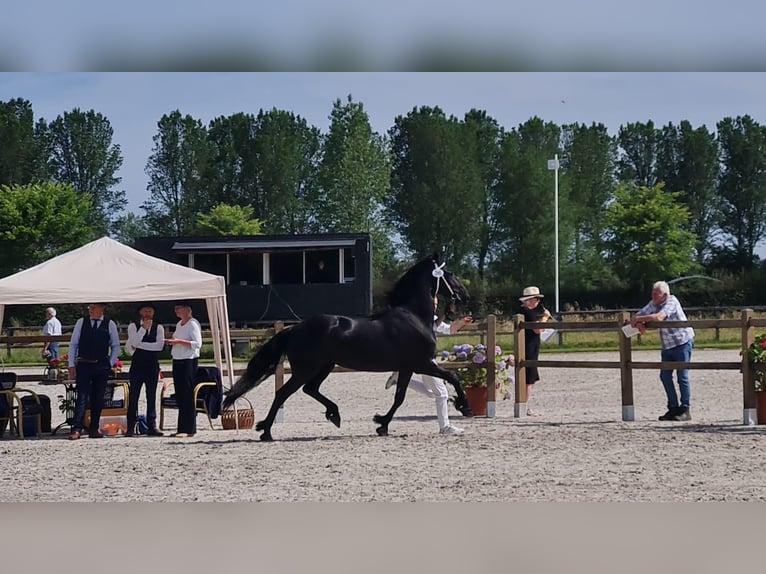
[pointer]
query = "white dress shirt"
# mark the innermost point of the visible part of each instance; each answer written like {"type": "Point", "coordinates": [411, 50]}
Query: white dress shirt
{"type": "Point", "coordinates": [135, 336]}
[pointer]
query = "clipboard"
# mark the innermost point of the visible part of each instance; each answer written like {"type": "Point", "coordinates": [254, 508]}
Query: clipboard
{"type": "Point", "coordinates": [547, 334]}
{"type": "Point", "coordinates": [630, 331]}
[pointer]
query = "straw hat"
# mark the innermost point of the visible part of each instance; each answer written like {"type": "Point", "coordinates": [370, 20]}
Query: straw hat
{"type": "Point", "coordinates": [530, 293]}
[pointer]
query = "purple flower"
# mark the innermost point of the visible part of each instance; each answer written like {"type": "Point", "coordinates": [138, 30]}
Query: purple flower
{"type": "Point", "coordinates": [498, 350]}
{"type": "Point", "coordinates": [445, 354]}
{"type": "Point", "coordinates": [502, 365]}
{"type": "Point", "coordinates": [462, 355]}
{"type": "Point", "coordinates": [480, 347]}
{"type": "Point", "coordinates": [479, 358]}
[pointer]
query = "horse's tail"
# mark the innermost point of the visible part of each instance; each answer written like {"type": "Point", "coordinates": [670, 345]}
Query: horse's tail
{"type": "Point", "coordinates": [261, 366]}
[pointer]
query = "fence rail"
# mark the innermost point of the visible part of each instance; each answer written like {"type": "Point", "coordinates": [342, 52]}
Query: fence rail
{"type": "Point", "coordinates": [487, 330]}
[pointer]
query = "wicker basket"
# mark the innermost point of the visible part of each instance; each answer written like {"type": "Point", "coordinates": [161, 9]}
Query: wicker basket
{"type": "Point", "coordinates": [246, 416]}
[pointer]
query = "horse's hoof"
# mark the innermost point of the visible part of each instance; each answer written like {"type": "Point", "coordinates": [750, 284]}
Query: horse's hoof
{"type": "Point", "coordinates": [266, 437]}
{"type": "Point", "coordinates": [334, 418]}
{"type": "Point", "coordinates": [260, 425]}
{"type": "Point", "coordinates": [382, 431]}
{"type": "Point", "coordinates": [464, 408]}
{"type": "Point", "coordinates": [379, 419]}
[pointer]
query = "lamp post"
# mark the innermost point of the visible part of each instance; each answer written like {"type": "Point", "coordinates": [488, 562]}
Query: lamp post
{"type": "Point", "coordinates": [553, 165]}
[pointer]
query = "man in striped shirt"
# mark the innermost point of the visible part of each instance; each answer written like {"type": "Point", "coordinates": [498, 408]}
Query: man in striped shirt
{"type": "Point", "coordinates": [677, 343]}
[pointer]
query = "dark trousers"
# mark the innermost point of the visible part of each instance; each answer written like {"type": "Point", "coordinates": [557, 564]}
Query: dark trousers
{"type": "Point", "coordinates": [91, 387]}
{"type": "Point", "coordinates": [184, 373]}
{"type": "Point", "coordinates": [140, 375]}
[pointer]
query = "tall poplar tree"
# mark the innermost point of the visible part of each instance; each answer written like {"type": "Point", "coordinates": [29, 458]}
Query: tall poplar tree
{"type": "Point", "coordinates": [82, 154]}
{"type": "Point", "coordinates": [687, 161]}
{"type": "Point", "coordinates": [179, 157]}
{"type": "Point", "coordinates": [742, 187]}
{"type": "Point", "coordinates": [435, 201]}
{"type": "Point", "coordinates": [353, 179]}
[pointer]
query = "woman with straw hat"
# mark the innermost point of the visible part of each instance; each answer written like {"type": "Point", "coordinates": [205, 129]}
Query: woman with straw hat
{"type": "Point", "coordinates": [533, 310]}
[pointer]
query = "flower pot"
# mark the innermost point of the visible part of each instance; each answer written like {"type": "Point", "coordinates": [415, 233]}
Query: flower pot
{"type": "Point", "coordinates": [477, 400]}
{"type": "Point", "coordinates": [760, 407]}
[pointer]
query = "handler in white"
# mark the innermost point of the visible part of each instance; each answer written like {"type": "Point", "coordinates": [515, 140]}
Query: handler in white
{"type": "Point", "coordinates": [433, 387]}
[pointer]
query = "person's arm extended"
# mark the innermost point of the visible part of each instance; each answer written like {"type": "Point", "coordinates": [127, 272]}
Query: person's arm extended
{"type": "Point", "coordinates": [459, 324]}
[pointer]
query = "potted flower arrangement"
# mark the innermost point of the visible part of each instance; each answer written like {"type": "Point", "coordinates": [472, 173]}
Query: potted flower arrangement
{"type": "Point", "coordinates": [117, 368]}
{"type": "Point", "coordinates": [59, 368]}
{"type": "Point", "coordinates": [756, 356]}
{"type": "Point", "coordinates": [473, 378]}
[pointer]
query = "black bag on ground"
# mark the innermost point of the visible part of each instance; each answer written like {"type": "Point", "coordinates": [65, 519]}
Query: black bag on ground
{"type": "Point", "coordinates": [31, 408]}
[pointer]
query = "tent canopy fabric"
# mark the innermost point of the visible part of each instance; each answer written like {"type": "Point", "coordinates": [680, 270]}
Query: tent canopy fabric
{"type": "Point", "coordinates": [106, 270]}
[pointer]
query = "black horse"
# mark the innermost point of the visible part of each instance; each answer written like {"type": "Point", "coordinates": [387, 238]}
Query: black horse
{"type": "Point", "coordinates": [400, 338]}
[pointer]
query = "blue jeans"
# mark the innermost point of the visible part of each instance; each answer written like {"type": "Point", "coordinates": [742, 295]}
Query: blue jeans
{"type": "Point", "coordinates": [54, 349]}
{"type": "Point", "coordinates": [679, 353]}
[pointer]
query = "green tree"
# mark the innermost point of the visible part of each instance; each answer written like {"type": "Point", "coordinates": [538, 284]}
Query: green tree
{"type": "Point", "coordinates": [17, 144]}
{"type": "Point", "coordinates": [40, 221]}
{"type": "Point", "coordinates": [353, 179]}
{"type": "Point", "coordinates": [232, 177]}
{"type": "Point", "coordinates": [127, 228]}
{"type": "Point", "coordinates": [588, 165]}
{"type": "Point", "coordinates": [487, 135]}
{"type": "Point", "coordinates": [435, 201]}
{"type": "Point", "coordinates": [526, 204]}
{"type": "Point", "coordinates": [687, 161]}
{"type": "Point", "coordinates": [82, 154]}
{"type": "Point", "coordinates": [742, 187]}
{"type": "Point", "coordinates": [647, 236]}
{"type": "Point", "coordinates": [179, 157]}
{"type": "Point", "coordinates": [228, 220]}
{"type": "Point", "coordinates": [638, 143]}
{"type": "Point", "coordinates": [287, 153]}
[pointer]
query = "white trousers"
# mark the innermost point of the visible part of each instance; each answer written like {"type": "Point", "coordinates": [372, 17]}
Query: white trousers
{"type": "Point", "coordinates": [436, 389]}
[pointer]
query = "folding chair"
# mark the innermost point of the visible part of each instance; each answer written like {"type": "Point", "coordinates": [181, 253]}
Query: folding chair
{"type": "Point", "coordinates": [207, 394]}
{"type": "Point", "coordinates": [13, 409]}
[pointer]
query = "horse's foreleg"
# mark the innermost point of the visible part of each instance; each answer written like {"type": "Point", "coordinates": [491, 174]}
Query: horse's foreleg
{"type": "Point", "coordinates": [312, 389]}
{"type": "Point", "coordinates": [401, 391]}
{"type": "Point", "coordinates": [461, 403]}
{"type": "Point", "coordinates": [280, 397]}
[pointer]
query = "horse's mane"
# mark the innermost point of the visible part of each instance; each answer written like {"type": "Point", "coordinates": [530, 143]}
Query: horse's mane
{"type": "Point", "coordinates": [409, 282]}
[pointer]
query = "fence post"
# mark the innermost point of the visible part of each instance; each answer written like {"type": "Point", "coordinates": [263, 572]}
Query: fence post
{"type": "Point", "coordinates": [279, 376]}
{"type": "Point", "coordinates": [626, 371]}
{"type": "Point", "coordinates": [749, 416]}
{"type": "Point", "coordinates": [491, 342]}
{"type": "Point", "coordinates": [519, 352]}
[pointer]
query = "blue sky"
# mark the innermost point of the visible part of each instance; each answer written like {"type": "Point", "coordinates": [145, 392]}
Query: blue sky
{"type": "Point", "coordinates": [134, 102]}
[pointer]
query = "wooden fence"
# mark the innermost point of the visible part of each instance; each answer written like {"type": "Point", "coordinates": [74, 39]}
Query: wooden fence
{"type": "Point", "coordinates": [746, 325]}
{"type": "Point", "coordinates": [487, 332]}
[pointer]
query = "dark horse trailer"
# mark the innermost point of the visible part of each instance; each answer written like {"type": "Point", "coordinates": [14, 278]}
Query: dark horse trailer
{"type": "Point", "coordinates": [278, 277]}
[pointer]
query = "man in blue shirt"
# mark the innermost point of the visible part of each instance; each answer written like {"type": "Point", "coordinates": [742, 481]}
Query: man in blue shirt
{"type": "Point", "coordinates": [93, 351]}
{"type": "Point", "coordinates": [677, 343]}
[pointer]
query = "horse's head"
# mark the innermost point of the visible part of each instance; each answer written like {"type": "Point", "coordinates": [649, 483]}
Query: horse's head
{"type": "Point", "coordinates": [452, 287]}
{"type": "Point", "coordinates": [418, 286]}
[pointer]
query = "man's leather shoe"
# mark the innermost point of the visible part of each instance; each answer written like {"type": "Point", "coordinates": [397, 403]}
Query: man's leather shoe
{"type": "Point", "coordinates": [129, 433]}
{"type": "Point", "coordinates": [95, 434]}
{"type": "Point", "coordinates": [155, 432]}
{"type": "Point", "coordinates": [74, 435]}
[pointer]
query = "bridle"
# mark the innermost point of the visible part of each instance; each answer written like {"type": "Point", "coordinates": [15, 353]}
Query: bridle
{"type": "Point", "coordinates": [438, 272]}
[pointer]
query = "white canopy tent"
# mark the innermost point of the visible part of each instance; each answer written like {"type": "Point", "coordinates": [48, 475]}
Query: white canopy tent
{"type": "Point", "coordinates": [105, 270]}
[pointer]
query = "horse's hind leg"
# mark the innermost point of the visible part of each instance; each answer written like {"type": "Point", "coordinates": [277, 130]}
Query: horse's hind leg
{"type": "Point", "coordinates": [461, 403]}
{"type": "Point", "coordinates": [312, 389]}
{"type": "Point", "coordinates": [292, 385]}
{"type": "Point", "coordinates": [401, 390]}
